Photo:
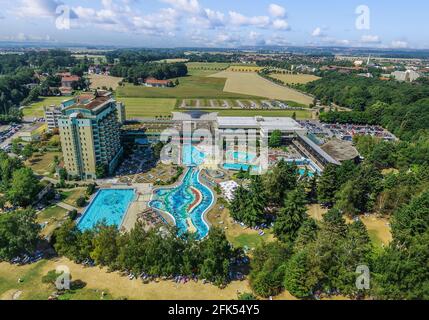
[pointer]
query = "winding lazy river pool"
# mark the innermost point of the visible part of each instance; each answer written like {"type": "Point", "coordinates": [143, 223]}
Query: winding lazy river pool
{"type": "Point", "coordinates": [187, 203]}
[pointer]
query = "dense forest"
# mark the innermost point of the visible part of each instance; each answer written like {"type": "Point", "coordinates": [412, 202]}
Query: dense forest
{"type": "Point", "coordinates": [358, 93]}
{"type": "Point", "coordinates": [402, 108]}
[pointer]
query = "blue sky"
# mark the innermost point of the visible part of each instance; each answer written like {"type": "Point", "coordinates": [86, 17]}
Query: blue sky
{"type": "Point", "coordinates": [218, 23]}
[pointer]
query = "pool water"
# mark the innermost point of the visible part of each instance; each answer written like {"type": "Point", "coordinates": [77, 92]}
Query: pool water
{"type": "Point", "coordinates": [186, 203]}
{"type": "Point", "coordinates": [109, 205]}
{"type": "Point", "coordinates": [192, 156]}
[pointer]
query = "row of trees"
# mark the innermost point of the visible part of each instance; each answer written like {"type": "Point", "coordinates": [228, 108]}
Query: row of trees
{"type": "Point", "coordinates": [158, 252]}
{"type": "Point", "coordinates": [160, 71]}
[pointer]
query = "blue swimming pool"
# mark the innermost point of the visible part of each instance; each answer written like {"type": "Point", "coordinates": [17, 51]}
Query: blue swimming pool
{"type": "Point", "coordinates": [192, 156]}
{"type": "Point", "coordinates": [109, 205]}
{"type": "Point", "coordinates": [186, 203]}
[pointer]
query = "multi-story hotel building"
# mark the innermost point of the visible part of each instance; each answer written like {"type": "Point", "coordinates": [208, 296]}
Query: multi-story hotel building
{"type": "Point", "coordinates": [90, 136]}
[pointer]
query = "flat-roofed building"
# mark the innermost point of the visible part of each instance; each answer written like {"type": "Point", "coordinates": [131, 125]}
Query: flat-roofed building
{"type": "Point", "coordinates": [90, 136]}
{"type": "Point", "coordinates": [52, 115]}
{"type": "Point", "coordinates": [264, 126]}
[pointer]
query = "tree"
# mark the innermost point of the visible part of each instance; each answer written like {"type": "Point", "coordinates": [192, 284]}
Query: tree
{"type": "Point", "coordinates": [247, 297]}
{"type": "Point", "coordinates": [66, 240]}
{"type": "Point", "coordinates": [301, 278]}
{"type": "Point", "coordinates": [101, 171]}
{"type": "Point", "coordinates": [267, 268]}
{"type": "Point", "coordinates": [216, 253]}
{"type": "Point", "coordinates": [27, 151]}
{"type": "Point", "coordinates": [279, 181]}
{"type": "Point", "coordinates": [105, 246]}
{"type": "Point", "coordinates": [401, 272]}
{"type": "Point", "coordinates": [291, 216]}
{"type": "Point", "coordinates": [24, 187]}
{"type": "Point", "coordinates": [411, 220]}
{"type": "Point", "coordinates": [19, 233]}
{"type": "Point", "coordinates": [275, 139]}
{"type": "Point", "coordinates": [327, 186]}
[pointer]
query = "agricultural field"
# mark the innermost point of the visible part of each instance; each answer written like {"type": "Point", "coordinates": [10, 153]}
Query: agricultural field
{"type": "Point", "coordinates": [203, 69]}
{"type": "Point", "coordinates": [99, 81]}
{"type": "Point", "coordinates": [244, 68]}
{"type": "Point", "coordinates": [147, 108]}
{"type": "Point", "coordinates": [294, 78]}
{"type": "Point", "coordinates": [190, 87]}
{"type": "Point", "coordinates": [253, 84]}
{"type": "Point", "coordinates": [36, 108]}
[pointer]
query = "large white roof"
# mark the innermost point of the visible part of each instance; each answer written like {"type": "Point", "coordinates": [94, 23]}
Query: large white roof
{"type": "Point", "coordinates": [266, 123]}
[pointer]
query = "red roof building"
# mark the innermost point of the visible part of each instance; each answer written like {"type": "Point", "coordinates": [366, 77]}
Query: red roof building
{"type": "Point", "coordinates": [67, 81]}
{"type": "Point", "coordinates": [152, 82]}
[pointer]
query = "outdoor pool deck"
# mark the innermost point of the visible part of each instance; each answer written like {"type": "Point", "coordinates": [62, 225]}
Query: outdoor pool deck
{"type": "Point", "coordinates": [116, 205]}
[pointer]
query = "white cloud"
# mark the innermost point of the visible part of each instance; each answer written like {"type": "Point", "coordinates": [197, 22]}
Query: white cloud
{"type": "Point", "coordinates": [370, 39]}
{"type": "Point", "coordinates": [281, 24]}
{"type": "Point", "coordinates": [277, 11]}
{"type": "Point", "coordinates": [318, 32]}
{"type": "Point", "coordinates": [37, 8]}
{"type": "Point", "coordinates": [191, 6]}
{"type": "Point", "coordinates": [240, 20]}
{"type": "Point", "coordinates": [399, 44]}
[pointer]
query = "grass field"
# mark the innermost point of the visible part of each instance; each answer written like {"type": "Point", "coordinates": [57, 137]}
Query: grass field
{"type": "Point", "coordinates": [100, 81]}
{"type": "Point", "coordinates": [32, 288]}
{"type": "Point", "coordinates": [70, 196]}
{"type": "Point", "coordinates": [36, 108]}
{"type": "Point", "coordinates": [294, 78]}
{"type": "Point", "coordinates": [147, 107]}
{"type": "Point", "coordinates": [99, 280]}
{"type": "Point", "coordinates": [43, 163]}
{"type": "Point", "coordinates": [189, 87]}
{"type": "Point", "coordinates": [252, 84]}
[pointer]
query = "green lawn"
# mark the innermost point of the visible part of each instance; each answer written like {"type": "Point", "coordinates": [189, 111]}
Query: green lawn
{"type": "Point", "coordinates": [249, 240]}
{"type": "Point", "coordinates": [31, 286]}
{"type": "Point", "coordinates": [36, 108]}
{"type": "Point", "coordinates": [54, 212]}
{"type": "Point", "coordinates": [189, 87]}
{"type": "Point", "coordinates": [147, 107]}
{"type": "Point", "coordinates": [70, 196]}
{"type": "Point", "coordinates": [43, 163]}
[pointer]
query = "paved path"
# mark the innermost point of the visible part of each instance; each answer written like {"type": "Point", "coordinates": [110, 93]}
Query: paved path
{"type": "Point", "coordinates": [66, 206]}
